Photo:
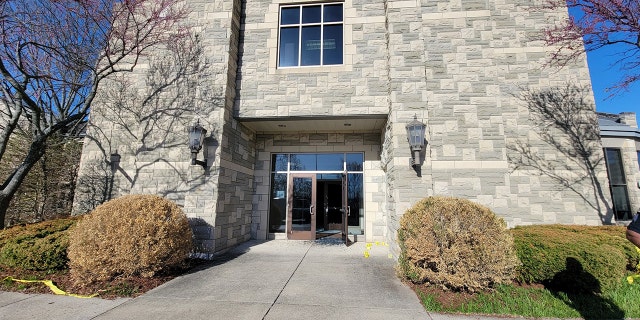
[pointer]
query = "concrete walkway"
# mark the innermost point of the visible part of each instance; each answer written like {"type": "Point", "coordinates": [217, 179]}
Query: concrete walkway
{"type": "Point", "coordinates": [257, 280]}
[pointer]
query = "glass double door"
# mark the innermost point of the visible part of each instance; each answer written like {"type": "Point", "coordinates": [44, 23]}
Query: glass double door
{"type": "Point", "coordinates": [317, 208]}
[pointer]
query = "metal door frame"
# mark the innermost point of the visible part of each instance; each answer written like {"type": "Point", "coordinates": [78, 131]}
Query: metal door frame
{"type": "Point", "coordinates": [307, 234]}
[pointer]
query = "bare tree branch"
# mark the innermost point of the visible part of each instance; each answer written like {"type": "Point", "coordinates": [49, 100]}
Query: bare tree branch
{"type": "Point", "coordinates": [597, 24]}
{"type": "Point", "coordinates": [54, 56]}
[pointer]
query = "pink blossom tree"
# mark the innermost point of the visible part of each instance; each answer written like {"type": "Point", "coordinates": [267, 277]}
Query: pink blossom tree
{"type": "Point", "coordinates": [596, 24]}
{"type": "Point", "coordinates": [55, 54]}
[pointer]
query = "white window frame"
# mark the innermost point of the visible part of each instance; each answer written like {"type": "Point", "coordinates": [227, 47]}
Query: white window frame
{"type": "Point", "coordinates": [299, 25]}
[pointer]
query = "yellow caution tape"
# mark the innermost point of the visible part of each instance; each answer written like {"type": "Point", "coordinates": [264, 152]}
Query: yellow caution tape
{"type": "Point", "coordinates": [53, 287]}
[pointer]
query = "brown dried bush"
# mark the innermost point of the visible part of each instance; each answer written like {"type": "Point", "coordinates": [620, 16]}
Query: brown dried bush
{"type": "Point", "coordinates": [455, 243]}
{"type": "Point", "coordinates": [127, 236]}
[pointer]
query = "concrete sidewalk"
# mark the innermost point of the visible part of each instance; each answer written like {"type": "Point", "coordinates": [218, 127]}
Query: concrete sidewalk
{"type": "Point", "coordinates": [257, 280]}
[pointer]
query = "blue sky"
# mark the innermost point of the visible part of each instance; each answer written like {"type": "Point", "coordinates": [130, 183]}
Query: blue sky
{"type": "Point", "coordinates": [605, 75]}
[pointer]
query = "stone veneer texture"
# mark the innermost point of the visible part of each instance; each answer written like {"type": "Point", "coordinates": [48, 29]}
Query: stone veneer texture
{"type": "Point", "coordinates": [456, 65]}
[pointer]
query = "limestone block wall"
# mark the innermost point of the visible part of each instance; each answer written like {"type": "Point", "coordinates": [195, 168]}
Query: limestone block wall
{"type": "Point", "coordinates": [455, 65]}
{"type": "Point", "coordinates": [151, 137]}
{"type": "Point", "coordinates": [359, 87]}
{"type": "Point", "coordinates": [459, 65]}
{"type": "Point", "coordinates": [237, 149]}
{"type": "Point", "coordinates": [408, 98]}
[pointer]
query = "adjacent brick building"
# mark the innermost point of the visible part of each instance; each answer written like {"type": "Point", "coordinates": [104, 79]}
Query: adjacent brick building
{"type": "Point", "coordinates": [306, 106]}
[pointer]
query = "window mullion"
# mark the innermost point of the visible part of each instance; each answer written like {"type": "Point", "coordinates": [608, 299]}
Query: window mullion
{"type": "Point", "coordinates": [300, 38]}
{"type": "Point", "coordinates": [322, 35]}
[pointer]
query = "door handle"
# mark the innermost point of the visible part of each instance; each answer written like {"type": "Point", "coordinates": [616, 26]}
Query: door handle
{"type": "Point", "coordinates": [311, 209]}
{"type": "Point", "coordinates": [348, 211]}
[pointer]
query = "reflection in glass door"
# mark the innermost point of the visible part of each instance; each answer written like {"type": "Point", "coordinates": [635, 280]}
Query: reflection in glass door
{"type": "Point", "coordinates": [337, 187]}
{"type": "Point", "coordinates": [301, 220]}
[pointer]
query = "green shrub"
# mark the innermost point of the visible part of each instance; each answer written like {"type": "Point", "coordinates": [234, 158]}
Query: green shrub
{"type": "Point", "coordinates": [40, 246]}
{"type": "Point", "coordinates": [130, 235]}
{"type": "Point", "coordinates": [455, 243]}
{"type": "Point", "coordinates": [574, 258]}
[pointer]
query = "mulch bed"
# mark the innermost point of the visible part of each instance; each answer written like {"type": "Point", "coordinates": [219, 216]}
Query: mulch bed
{"type": "Point", "coordinates": [116, 288]}
{"type": "Point", "coordinates": [446, 298]}
{"type": "Point", "coordinates": [451, 299]}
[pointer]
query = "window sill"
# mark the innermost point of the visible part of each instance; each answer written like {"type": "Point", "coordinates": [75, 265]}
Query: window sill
{"type": "Point", "coordinates": [312, 69]}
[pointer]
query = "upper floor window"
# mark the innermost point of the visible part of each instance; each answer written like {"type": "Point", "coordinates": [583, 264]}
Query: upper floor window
{"type": "Point", "coordinates": [311, 35]}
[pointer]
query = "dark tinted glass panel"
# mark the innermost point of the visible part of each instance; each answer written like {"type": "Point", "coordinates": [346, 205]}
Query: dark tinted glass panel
{"type": "Point", "coordinates": [303, 162]}
{"type": "Point", "coordinates": [301, 205]}
{"type": "Point", "coordinates": [354, 161]}
{"type": "Point", "coordinates": [331, 162]}
{"type": "Point", "coordinates": [333, 13]}
{"type": "Point", "coordinates": [310, 46]}
{"type": "Point", "coordinates": [329, 176]}
{"type": "Point", "coordinates": [279, 162]}
{"type": "Point", "coordinates": [289, 47]}
{"type": "Point", "coordinates": [332, 44]}
{"type": "Point", "coordinates": [355, 202]}
{"type": "Point", "coordinates": [290, 15]}
{"type": "Point", "coordinates": [621, 202]}
{"type": "Point", "coordinates": [278, 205]}
{"type": "Point", "coordinates": [614, 165]}
{"type": "Point", "coordinates": [311, 14]}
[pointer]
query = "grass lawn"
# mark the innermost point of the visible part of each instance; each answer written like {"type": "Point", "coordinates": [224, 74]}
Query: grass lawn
{"type": "Point", "coordinates": [623, 302]}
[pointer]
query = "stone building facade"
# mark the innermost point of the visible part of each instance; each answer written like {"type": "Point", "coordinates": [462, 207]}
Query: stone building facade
{"type": "Point", "coordinates": [621, 142]}
{"type": "Point", "coordinates": [313, 98]}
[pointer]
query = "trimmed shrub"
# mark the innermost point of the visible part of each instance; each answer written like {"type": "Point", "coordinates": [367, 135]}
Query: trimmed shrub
{"type": "Point", "coordinates": [455, 243]}
{"type": "Point", "coordinates": [128, 236]}
{"type": "Point", "coordinates": [574, 258]}
{"type": "Point", "coordinates": [39, 246]}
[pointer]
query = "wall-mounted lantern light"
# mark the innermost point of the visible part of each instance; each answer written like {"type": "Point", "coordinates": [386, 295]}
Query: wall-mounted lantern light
{"type": "Point", "coordinates": [415, 135]}
{"type": "Point", "coordinates": [196, 137]}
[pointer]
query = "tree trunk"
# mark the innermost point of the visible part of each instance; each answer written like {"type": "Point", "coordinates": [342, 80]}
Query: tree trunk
{"type": "Point", "coordinates": [4, 205]}
{"type": "Point", "coordinates": [13, 182]}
